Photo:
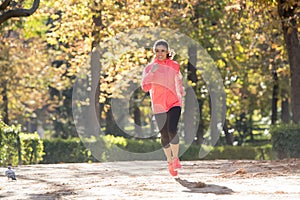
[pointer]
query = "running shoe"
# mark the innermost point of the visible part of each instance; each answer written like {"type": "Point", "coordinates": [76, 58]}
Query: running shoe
{"type": "Point", "coordinates": [176, 163]}
{"type": "Point", "coordinates": [172, 171]}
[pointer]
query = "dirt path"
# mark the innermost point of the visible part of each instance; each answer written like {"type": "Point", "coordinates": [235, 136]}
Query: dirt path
{"type": "Point", "coordinates": [209, 180]}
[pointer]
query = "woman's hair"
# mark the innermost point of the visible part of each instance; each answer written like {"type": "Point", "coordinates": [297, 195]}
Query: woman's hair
{"type": "Point", "coordinates": [164, 43]}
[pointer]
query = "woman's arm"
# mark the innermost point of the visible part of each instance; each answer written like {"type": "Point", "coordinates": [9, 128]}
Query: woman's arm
{"type": "Point", "coordinates": [147, 78]}
{"type": "Point", "coordinates": [178, 83]}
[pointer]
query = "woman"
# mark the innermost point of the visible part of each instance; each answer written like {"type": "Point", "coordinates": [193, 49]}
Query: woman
{"type": "Point", "coordinates": [162, 78]}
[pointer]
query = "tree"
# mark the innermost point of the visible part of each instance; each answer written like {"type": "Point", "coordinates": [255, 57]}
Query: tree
{"type": "Point", "coordinates": [26, 73]}
{"type": "Point", "coordinates": [289, 13]}
{"type": "Point", "coordinates": [241, 36]}
{"type": "Point", "coordinates": [100, 21]}
{"type": "Point", "coordinates": [9, 10]}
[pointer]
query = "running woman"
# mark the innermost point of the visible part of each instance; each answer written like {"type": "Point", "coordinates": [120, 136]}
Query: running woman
{"type": "Point", "coordinates": [163, 79]}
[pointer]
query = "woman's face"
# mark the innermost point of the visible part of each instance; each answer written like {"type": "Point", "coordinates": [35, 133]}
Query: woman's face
{"type": "Point", "coordinates": [161, 52]}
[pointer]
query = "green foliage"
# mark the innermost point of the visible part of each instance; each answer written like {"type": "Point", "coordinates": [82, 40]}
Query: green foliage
{"type": "Point", "coordinates": [8, 144]}
{"type": "Point", "coordinates": [17, 147]}
{"type": "Point", "coordinates": [73, 150]}
{"type": "Point", "coordinates": [244, 39]}
{"type": "Point", "coordinates": [32, 148]}
{"type": "Point", "coordinates": [35, 26]}
{"type": "Point", "coordinates": [132, 145]}
{"type": "Point", "coordinates": [286, 140]}
{"type": "Point", "coordinates": [231, 153]}
{"type": "Point", "coordinates": [134, 149]}
{"type": "Point", "coordinates": [109, 148]}
{"type": "Point", "coordinates": [65, 151]}
{"type": "Point", "coordinates": [119, 141]}
{"type": "Point", "coordinates": [143, 146]}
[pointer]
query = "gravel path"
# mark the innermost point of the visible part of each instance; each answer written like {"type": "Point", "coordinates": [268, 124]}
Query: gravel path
{"type": "Point", "coordinates": [209, 180]}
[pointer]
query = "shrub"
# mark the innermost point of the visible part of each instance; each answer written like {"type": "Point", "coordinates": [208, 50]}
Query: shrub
{"type": "Point", "coordinates": [107, 148]}
{"type": "Point", "coordinates": [233, 152]}
{"type": "Point", "coordinates": [17, 147]}
{"type": "Point", "coordinates": [142, 146]}
{"type": "Point", "coordinates": [32, 148]}
{"type": "Point", "coordinates": [65, 151]}
{"type": "Point", "coordinates": [8, 144]}
{"type": "Point", "coordinates": [111, 148]}
{"type": "Point", "coordinates": [134, 149]}
{"type": "Point", "coordinates": [286, 140]}
{"type": "Point", "coordinates": [229, 152]}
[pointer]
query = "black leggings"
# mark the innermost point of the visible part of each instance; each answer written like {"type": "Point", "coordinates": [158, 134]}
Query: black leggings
{"type": "Point", "coordinates": [167, 124]}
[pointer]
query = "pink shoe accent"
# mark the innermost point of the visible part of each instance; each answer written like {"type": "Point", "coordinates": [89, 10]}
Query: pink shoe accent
{"type": "Point", "coordinates": [171, 169]}
{"type": "Point", "coordinates": [176, 163]}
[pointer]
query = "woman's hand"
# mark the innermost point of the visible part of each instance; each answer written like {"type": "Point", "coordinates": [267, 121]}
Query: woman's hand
{"type": "Point", "coordinates": [154, 67]}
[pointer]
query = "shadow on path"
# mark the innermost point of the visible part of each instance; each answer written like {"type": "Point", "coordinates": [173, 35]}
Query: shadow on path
{"type": "Point", "coordinates": [200, 187]}
{"type": "Point", "coordinates": [55, 190]}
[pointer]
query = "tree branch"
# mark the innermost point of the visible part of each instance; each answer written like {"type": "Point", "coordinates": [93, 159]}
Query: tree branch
{"type": "Point", "coordinates": [5, 4]}
{"type": "Point", "coordinates": [18, 12]}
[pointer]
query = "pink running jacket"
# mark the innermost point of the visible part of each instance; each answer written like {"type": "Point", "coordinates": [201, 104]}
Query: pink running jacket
{"type": "Point", "coordinates": [164, 85]}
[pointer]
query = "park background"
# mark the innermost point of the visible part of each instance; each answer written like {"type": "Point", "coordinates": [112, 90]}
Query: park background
{"type": "Point", "coordinates": [44, 45]}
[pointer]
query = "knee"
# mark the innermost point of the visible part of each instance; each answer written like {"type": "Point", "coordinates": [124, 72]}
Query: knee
{"type": "Point", "coordinates": [165, 141]}
{"type": "Point", "coordinates": [174, 138]}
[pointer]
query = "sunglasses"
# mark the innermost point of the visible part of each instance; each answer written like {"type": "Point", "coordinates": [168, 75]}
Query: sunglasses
{"type": "Point", "coordinates": [160, 51]}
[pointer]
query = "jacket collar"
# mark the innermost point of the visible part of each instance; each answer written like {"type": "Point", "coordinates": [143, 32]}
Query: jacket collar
{"type": "Point", "coordinates": [161, 62]}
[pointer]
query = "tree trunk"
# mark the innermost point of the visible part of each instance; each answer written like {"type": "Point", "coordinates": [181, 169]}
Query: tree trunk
{"type": "Point", "coordinates": [137, 121]}
{"type": "Point", "coordinates": [250, 127]}
{"type": "Point", "coordinates": [190, 117]}
{"type": "Point", "coordinates": [189, 111]}
{"type": "Point", "coordinates": [274, 98]}
{"type": "Point", "coordinates": [93, 121]}
{"type": "Point", "coordinates": [228, 135]}
{"type": "Point", "coordinates": [200, 131]}
{"type": "Point", "coordinates": [192, 52]}
{"type": "Point", "coordinates": [285, 113]}
{"type": "Point", "coordinates": [112, 127]}
{"type": "Point", "coordinates": [214, 132]}
{"type": "Point", "coordinates": [5, 102]}
{"type": "Point", "coordinates": [137, 117]}
{"type": "Point", "coordinates": [290, 32]}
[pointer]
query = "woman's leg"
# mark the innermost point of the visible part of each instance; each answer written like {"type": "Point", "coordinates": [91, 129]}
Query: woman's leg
{"type": "Point", "coordinates": [173, 119]}
{"type": "Point", "coordinates": [161, 120]}
{"type": "Point", "coordinates": [167, 124]}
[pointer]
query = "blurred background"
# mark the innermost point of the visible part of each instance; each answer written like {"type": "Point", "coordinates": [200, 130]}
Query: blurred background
{"type": "Point", "coordinates": [44, 45]}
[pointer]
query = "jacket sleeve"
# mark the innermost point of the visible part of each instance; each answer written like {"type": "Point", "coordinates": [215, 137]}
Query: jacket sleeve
{"type": "Point", "coordinates": [147, 77]}
{"type": "Point", "coordinates": [178, 83]}
{"type": "Point", "coordinates": [182, 90]}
